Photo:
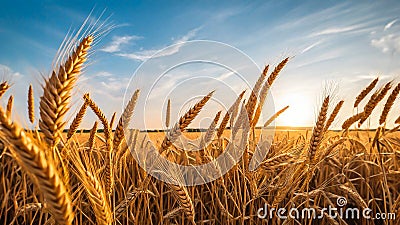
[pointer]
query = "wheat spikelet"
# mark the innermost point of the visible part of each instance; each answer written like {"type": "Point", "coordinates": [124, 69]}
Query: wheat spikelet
{"type": "Point", "coordinates": [168, 114]}
{"type": "Point", "coordinates": [42, 169]}
{"type": "Point", "coordinates": [182, 195]}
{"type": "Point", "coordinates": [318, 130]}
{"type": "Point", "coordinates": [124, 120]}
{"type": "Point", "coordinates": [373, 102]}
{"type": "Point", "coordinates": [254, 93]}
{"type": "Point", "coordinates": [365, 92]}
{"type": "Point", "coordinates": [92, 135]}
{"type": "Point", "coordinates": [184, 121]}
{"type": "Point", "coordinates": [108, 169]}
{"type": "Point", "coordinates": [277, 161]}
{"type": "Point", "coordinates": [77, 121]}
{"type": "Point", "coordinates": [276, 115]}
{"type": "Point", "coordinates": [112, 119]}
{"type": "Point", "coordinates": [9, 106]}
{"type": "Point", "coordinates": [333, 115]}
{"type": "Point", "coordinates": [3, 88]}
{"type": "Point", "coordinates": [210, 131]}
{"type": "Point", "coordinates": [57, 93]}
{"type": "Point", "coordinates": [31, 101]}
{"type": "Point", "coordinates": [389, 103]}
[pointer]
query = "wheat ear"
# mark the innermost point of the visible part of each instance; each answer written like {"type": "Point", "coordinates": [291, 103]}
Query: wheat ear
{"type": "Point", "coordinates": [276, 115]}
{"type": "Point", "coordinates": [92, 136]}
{"type": "Point", "coordinates": [77, 121]}
{"type": "Point", "coordinates": [230, 115]}
{"type": "Point", "coordinates": [210, 131]}
{"type": "Point", "coordinates": [183, 122]}
{"type": "Point", "coordinates": [108, 169]}
{"type": "Point", "coordinates": [9, 106]}
{"type": "Point", "coordinates": [168, 114]}
{"type": "Point", "coordinates": [277, 161]}
{"type": "Point", "coordinates": [182, 195]}
{"type": "Point", "coordinates": [251, 104]}
{"type": "Point", "coordinates": [31, 107]}
{"type": "Point", "coordinates": [57, 93]}
{"type": "Point", "coordinates": [365, 92]}
{"type": "Point", "coordinates": [41, 168]}
{"type": "Point", "coordinates": [389, 103]}
{"type": "Point", "coordinates": [350, 121]}
{"type": "Point", "coordinates": [85, 172]}
{"type": "Point", "coordinates": [333, 115]}
{"type": "Point", "coordinates": [112, 120]}
{"type": "Point", "coordinates": [124, 120]}
{"type": "Point", "coordinates": [373, 102]}
{"type": "Point", "coordinates": [3, 88]}
{"type": "Point", "coordinates": [318, 130]}
{"type": "Point", "coordinates": [264, 91]}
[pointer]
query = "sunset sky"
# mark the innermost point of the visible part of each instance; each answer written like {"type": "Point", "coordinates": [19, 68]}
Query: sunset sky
{"type": "Point", "coordinates": [335, 46]}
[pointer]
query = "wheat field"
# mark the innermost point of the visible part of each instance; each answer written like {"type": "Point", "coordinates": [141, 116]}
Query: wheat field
{"type": "Point", "coordinates": [53, 177]}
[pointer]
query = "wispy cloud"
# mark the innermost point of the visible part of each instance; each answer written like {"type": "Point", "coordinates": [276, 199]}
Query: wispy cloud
{"type": "Point", "coordinates": [335, 30]}
{"type": "Point", "coordinates": [308, 48]}
{"type": "Point", "coordinates": [117, 41]}
{"type": "Point", "coordinates": [389, 25]}
{"type": "Point", "coordinates": [156, 53]}
{"type": "Point", "coordinates": [387, 44]}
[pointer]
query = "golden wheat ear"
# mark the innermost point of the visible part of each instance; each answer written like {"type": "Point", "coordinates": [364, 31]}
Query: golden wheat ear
{"type": "Point", "coordinates": [54, 103]}
{"type": "Point", "coordinates": [318, 131]}
{"type": "Point", "coordinates": [365, 92]}
{"type": "Point", "coordinates": [183, 122]}
{"type": "Point", "coordinates": [31, 103]}
{"type": "Point", "coordinates": [124, 120]}
{"type": "Point", "coordinates": [40, 167]}
{"type": "Point", "coordinates": [3, 88]}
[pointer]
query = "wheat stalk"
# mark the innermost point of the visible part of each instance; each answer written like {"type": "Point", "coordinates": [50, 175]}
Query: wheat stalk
{"type": "Point", "coordinates": [183, 122]}
{"type": "Point", "coordinates": [40, 167]}
{"type": "Point", "coordinates": [31, 101]}
{"type": "Point", "coordinates": [389, 103]}
{"type": "Point", "coordinates": [124, 120]}
{"type": "Point", "coordinates": [168, 114]}
{"type": "Point", "coordinates": [57, 93]}
{"type": "Point", "coordinates": [365, 92]}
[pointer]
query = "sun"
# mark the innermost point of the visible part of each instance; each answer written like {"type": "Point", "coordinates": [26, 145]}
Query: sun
{"type": "Point", "coordinates": [300, 112]}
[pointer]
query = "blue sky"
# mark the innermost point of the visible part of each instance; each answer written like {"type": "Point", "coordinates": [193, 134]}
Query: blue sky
{"type": "Point", "coordinates": [335, 45]}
